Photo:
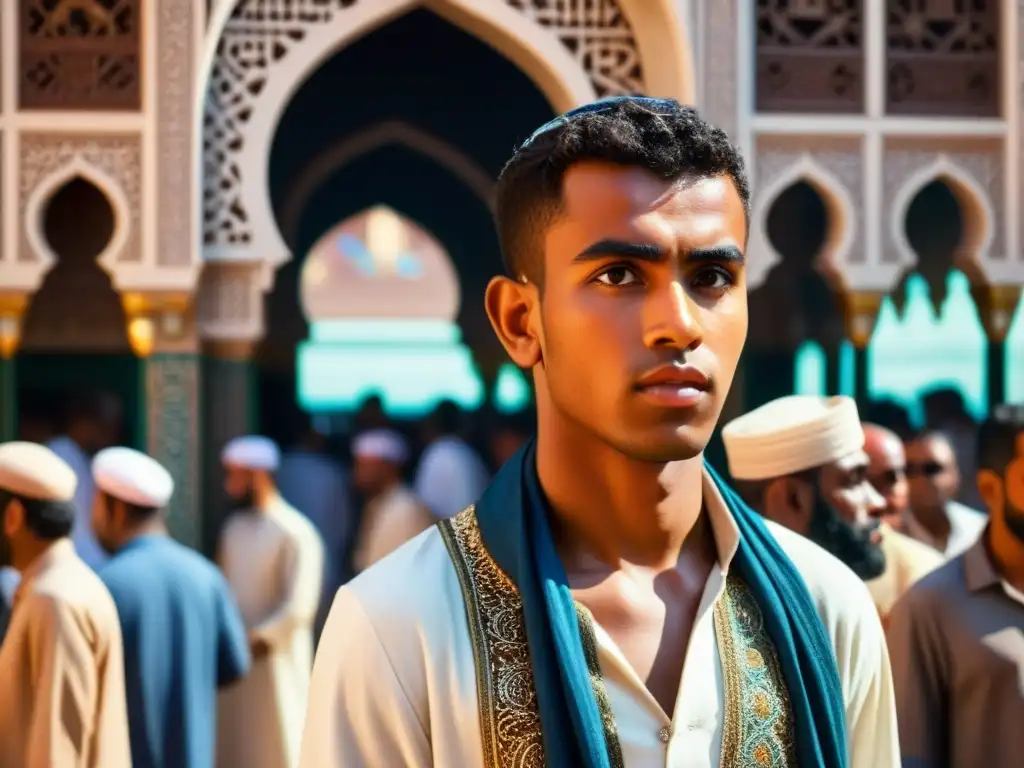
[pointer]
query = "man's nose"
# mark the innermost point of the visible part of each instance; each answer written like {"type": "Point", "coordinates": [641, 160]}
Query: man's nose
{"type": "Point", "coordinates": [874, 502]}
{"type": "Point", "coordinates": [671, 318]}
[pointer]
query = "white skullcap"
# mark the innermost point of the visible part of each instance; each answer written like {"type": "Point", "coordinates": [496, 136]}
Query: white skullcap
{"type": "Point", "coordinates": [381, 444]}
{"type": "Point", "coordinates": [253, 452]}
{"type": "Point", "coordinates": [35, 472]}
{"type": "Point", "coordinates": [792, 434]}
{"type": "Point", "coordinates": [132, 477]}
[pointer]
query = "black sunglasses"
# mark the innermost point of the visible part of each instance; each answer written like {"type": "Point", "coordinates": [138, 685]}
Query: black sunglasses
{"type": "Point", "coordinates": [656, 106]}
{"type": "Point", "coordinates": [927, 469]}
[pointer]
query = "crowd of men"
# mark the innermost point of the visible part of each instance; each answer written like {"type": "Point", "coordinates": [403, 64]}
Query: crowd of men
{"type": "Point", "coordinates": [605, 599]}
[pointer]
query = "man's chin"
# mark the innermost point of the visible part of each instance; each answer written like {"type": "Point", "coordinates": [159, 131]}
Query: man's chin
{"type": "Point", "coordinates": [666, 446]}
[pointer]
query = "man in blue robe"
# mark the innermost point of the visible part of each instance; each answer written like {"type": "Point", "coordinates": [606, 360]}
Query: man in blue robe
{"type": "Point", "coordinates": [183, 635]}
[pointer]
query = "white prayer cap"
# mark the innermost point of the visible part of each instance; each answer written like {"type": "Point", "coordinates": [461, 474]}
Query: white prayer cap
{"type": "Point", "coordinates": [381, 444]}
{"type": "Point", "coordinates": [790, 435]}
{"type": "Point", "coordinates": [35, 472]}
{"type": "Point", "coordinates": [132, 477]}
{"type": "Point", "coordinates": [253, 452]}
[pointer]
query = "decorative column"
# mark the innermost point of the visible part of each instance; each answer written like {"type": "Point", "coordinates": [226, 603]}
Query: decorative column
{"type": "Point", "coordinates": [229, 410]}
{"type": "Point", "coordinates": [162, 333]}
{"type": "Point", "coordinates": [12, 308]}
{"type": "Point", "coordinates": [861, 313]}
{"type": "Point", "coordinates": [996, 306]}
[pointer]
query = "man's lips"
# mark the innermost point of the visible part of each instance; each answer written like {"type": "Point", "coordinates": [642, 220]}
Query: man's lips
{"type": "Point", "coordinates": [674, 386]}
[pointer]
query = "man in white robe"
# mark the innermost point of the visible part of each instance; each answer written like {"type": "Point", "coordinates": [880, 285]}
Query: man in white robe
{"type": "Point", "coordinates": [625, 554]}
{"type": "Point", "coordinates": [393, 514]}
{"type": "Point", "coordinates": [272, 557]}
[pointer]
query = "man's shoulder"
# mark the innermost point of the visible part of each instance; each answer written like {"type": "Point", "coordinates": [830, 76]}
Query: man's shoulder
{"type": "Point", "coordinates": [71, 590]}
{"type": "Point", "coordinates": [930, 591]}
{"type": "Point", "coordinates": [840, 596]}
{"type": "Point", "coordinates": [411, 596]}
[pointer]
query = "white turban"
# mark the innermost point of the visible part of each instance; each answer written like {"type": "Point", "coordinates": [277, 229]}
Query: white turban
{"type": "Point", "coordinates": [35, 472]}
{"type": "Point", "coordinates": [132, 477]}
{"type": "Point", "coordinates": [252, 452]}
{"type": "Point", "coordinates": [383, 444]}
{"type": "Point", "coordinates": [790, 435]}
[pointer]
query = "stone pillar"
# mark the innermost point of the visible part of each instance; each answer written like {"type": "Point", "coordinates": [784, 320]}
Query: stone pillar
{"type": "Point", "coordinates": [229, 401]}
{"type": "Point", "coordinates": [162, 334]}
{"type": "Point", "coordinates": [861, 313]}
{"type": "Point", "coordinates": [996, 306]}
{"type": "Point", "coordinates": [12, 308]}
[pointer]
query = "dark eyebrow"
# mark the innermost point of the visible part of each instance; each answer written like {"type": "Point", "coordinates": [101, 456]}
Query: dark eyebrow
{"type": "Point", "coordinates": [610, 247]}
{"type": "Point", "coordinates": [651, 252]}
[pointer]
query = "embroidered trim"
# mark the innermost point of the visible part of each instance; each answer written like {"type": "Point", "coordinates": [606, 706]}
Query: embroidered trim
{"type": "Point", "coordinates": [758, 722]}
{"type": "Point", "coordinates": [509, 720]}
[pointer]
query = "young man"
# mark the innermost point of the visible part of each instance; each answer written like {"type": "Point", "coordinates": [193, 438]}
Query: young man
{"type": "Point", "coordinates": [273, 559]}
{"type": "Point", "coordinates": [183, 635]}
{"type": "Point", "coordinates": [957, 637]}
{"type": "Point", "coordinates": [608, 601]}
{"type": "Point", "coordinates": [62, 695]}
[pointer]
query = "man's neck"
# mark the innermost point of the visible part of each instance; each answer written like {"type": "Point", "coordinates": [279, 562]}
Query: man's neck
{"type": "Point", "coordinates": [148, 528]}
{"type": "Point", "coordinates": [936, 522]}
{"type": "Point", "coordinates": [32, 552]}
{"type": "Point", "coordinates": [614, 508]}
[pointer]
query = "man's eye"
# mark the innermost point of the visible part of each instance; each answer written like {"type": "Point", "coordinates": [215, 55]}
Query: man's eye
{"type": "Point", "coordinates": [714, 279]}
{"type": "Point", "coordinates": [617, 276]}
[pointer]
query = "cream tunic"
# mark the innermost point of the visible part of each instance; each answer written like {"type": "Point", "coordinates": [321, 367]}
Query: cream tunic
{"type": "Point", "coordinates": [390, 520]}
{"type": "Point", "coordinates": [62, 698]}
{"type": "Point", "coordinates": [273, 561]}
{"type": "Point", "coordinates": [395, 680]}
{"type": "Point", "coordinates": [906, 561]}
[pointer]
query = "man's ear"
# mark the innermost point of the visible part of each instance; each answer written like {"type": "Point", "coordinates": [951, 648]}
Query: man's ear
{"type": "Point", "coordinates": [13, 518]}
{"type": "Point", "coordinates": [512, 306]}
{"type": "Point", "coordinates": [790, 502]}
{"type": "Point", "coordinates": [990, 488]}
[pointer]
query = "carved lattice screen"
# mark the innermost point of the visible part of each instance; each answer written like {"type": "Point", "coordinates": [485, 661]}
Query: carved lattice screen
{"type": "Point", "coordinates": [943, 57]}
{"type": "Point", "coordinates": [810, 56]}
{"type": "Point", "coordinates": [80, 54]}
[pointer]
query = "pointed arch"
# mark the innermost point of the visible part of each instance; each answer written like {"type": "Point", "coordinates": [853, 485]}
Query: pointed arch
{"type": "Point", "coordinates": [975, 206]}
{"type": "Point", "coordinates": [35, 207]}
{"type": "Point", "coordinates": [384, 134]}
{"type": "Point", "coordinates": [838, 205]}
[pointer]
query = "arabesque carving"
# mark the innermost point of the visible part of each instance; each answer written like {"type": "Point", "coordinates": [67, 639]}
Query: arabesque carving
{"type": "Point", "coordinates": [118, 157]}
{"type": "Point", "coordinates": [80, 54]}
{"type": "Point", "coordinates": [260, 34]}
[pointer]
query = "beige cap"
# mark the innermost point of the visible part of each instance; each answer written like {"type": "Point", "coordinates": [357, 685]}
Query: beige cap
{"type": "Point", "coordinates": [252, 452]}
{"type": "Point", "coordinates": [792, 434]}
{"type": "Point", "coordinates": [133, 477]}
{"type": "Point", "coordinates": [35, 472]}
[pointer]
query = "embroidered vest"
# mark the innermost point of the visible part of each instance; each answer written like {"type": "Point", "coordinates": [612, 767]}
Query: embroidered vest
{"type": "Point", "coordinates": [757, 728]}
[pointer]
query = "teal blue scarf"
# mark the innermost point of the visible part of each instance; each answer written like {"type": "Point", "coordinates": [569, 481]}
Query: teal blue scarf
{"type": "Point", "coordinates": [513, 524]}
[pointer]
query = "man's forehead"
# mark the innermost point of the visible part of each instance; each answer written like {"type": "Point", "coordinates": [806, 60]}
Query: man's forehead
{"type": "Point", "coordinates": [629, 190]}
{"type": "Point", "coordinates": [851, 461]}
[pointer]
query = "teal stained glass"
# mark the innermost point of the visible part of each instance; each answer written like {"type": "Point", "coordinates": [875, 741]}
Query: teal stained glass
{"type": "Point", "coordinates": [1015, 356]}
{"type": "Point", "coordinates": [512, 391]}
{"type": "Point", "coordinates": [412, 364]}
{"type": "Point", "coordinates": [918, 352]}
{"type": "Point", "coordinates": [809, 376]}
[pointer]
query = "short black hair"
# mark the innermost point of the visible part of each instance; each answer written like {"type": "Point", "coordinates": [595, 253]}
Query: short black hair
{"type": "Point", "coordinates": [49, 520]}
{"type": "Point", "coordinates": [446, 417]}
{"type": "Point", "coordinates": [997, 438]}
{"type": "Point", "coordinates": [135, 512]}
{"type": "Point", "coordinates": [671, 143]}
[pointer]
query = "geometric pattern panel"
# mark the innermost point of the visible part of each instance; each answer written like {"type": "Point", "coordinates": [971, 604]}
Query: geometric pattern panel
{"type": "Point", "coordinates": [943, 57]}
{"type": "Point", "coordinates": [981, 160]}
{"type": "Point", "coordinates": [175, 106]}
{"type": "Point", "coordinates": [260, 34]}
{"type": "Point", "coordinates": [119, 157]}
{"type": "Point", "coordinates": [810, 56]}
{"type": "Point", "coordinates": [172, 402]}
{"type": "Point", "coordinates": [80, 54]}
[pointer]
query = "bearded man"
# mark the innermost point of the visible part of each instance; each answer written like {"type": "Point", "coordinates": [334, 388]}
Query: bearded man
{"type": "Point", "coordinates": [957, 637]}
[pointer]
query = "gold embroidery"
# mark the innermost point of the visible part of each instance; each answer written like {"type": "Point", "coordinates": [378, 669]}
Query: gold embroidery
{"type": "Point", "coordinates": [509, 720]}
{"type": "Point", "coordinates": [758, 719]}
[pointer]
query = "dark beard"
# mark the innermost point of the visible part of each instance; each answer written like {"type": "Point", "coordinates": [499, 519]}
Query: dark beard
{"type": "Point", "coordinates": [243, 503]}
{"type": "Point", "coordinates": [850, 543]}
{"type": "Point", "coordinates": [1014, 520]}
